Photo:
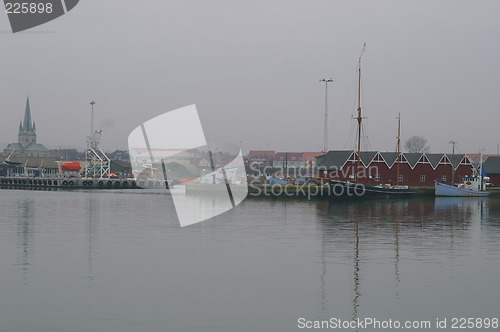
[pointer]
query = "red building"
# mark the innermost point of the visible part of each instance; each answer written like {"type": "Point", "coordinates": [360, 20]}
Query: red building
{"type": "Point", "coordinates": [414, 169]}
{"type": "Point", "coordinates": [261, 158]}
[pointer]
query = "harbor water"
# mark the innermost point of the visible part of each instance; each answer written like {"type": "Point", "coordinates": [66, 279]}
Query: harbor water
{"type": "Point", "coordinates": [115, 260]}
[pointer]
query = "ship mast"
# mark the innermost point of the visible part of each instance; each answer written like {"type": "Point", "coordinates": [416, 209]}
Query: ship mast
{"type": "Point", "coordinates": [399, 149]}
{"type": "Point", "coordinates": [452, 166]}
{"type": "Point", "coordinates": [359, 118]}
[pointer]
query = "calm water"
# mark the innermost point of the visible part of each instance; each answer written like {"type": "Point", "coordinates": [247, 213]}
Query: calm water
{"type": "Point", "coordinates": [118, 261]}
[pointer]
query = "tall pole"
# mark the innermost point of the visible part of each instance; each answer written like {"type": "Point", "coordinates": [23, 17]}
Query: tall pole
{"type": "Point", "coordinates": [92, 103]}
{"type": "Point", "coordinates": [325, 138]}
{"type": "Point", "coordinates": [399, 149]}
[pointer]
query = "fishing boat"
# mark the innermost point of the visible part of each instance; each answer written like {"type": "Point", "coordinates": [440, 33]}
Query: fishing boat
{"type": "Point", "coordinates": [347, 188]}
{"type": "Point", "coordinates": [472, 186]}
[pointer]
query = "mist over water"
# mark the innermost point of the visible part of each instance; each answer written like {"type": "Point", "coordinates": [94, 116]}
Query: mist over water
{"type": "Point", "coordinates": [118, 261]}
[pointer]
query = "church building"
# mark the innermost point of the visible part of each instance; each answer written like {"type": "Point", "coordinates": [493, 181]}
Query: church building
{"type": "Point", "coordinates": [27, 145]}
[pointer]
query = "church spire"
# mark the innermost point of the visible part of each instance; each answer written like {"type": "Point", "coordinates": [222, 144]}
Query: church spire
{"type": "Point", "coordinates": [27, 124]}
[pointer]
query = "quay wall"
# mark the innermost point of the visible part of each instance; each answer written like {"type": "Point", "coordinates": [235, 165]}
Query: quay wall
{"type": "Point", "coordinates": [78, 183]}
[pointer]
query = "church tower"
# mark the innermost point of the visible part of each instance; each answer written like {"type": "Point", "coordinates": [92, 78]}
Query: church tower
{"type": "Point", "coordinates": [27, 129]}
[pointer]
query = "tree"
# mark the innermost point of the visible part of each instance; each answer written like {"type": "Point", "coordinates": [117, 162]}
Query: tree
{"type": "Point", "coordinates": [417, 144]}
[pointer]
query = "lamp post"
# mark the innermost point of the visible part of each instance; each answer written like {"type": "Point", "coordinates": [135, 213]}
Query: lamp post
{"type": "Point", "coordinates": [325, 142]}
{"type": "Point", "coordinates": [92, 103]}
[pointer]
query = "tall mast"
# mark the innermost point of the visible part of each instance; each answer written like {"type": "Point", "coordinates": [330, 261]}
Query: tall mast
{"type": "Point", "coordinates": [481, 183]}
{"type": "Point", "coordinates": [399, 149]}
{"type": "Point", "coordinates": [453, 160]}
{"type": "Point", "coordinates": [359, 118]}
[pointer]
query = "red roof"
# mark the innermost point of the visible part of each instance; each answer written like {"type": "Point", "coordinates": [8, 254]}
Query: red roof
{"type": "Point", "coordinates": [475, 156]}
{"type": "Point", "coordinates": [312, 155]}
{"type": "Point", "coordinates": [261, 154]}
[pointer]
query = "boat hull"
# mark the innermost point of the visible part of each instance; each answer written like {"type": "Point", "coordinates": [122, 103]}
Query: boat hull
{"type": "Point", "coordinates": [348, 189]}
{"type": "Point", "coordinates": [441, 189]}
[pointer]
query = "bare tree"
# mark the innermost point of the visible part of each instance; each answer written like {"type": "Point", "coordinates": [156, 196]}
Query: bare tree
{"type": "Point", "coordinates": [417, 144]}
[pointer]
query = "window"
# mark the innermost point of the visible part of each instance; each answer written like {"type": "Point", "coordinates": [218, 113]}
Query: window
{"type": "Point", "coordinates": [293, 158]}
{"type": "Point", "coordinates": [377, 177]}
{"type": "Point", "coordinates": [422, 178]}
{"type": "Point", "coordinates": [401, 177]}
{"type": "Point", "coordinates": [443, 178]}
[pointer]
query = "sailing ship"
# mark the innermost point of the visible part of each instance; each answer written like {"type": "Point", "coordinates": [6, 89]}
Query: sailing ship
{"type": "Point", "coordinates": [342, 188]}
{"type": "Point", "coordinates": [472, 186]}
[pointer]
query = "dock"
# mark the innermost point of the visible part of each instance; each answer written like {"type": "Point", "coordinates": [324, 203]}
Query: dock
{"type": "Point", "coordinates": [79, 183]}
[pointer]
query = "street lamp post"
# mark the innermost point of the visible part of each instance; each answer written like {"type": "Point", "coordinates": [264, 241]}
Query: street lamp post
{"type": "Point", "coordinates": [92, 103]}
{"type": "Point", "coordinates": [325, 142]}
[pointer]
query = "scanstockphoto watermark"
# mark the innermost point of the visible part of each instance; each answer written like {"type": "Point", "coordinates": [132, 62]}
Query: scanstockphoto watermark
{"type": "Point", "coordinates": [158, 155]}
{"type": "Point", "coordinates": [371, 323]}
{"type": "Point", "coordinates": [332, 172]}
{"type": "Point", "coordinates": [365, 323]}
{"type": "Point", "coordinates": [24, 15]}
{"type": "Point", "coordinates": [305, 190]}
{"type": "Point", "coordinates": [311, 181]}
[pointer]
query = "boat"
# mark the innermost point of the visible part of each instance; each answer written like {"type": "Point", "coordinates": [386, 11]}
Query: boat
{"type": "Point", "coordinates": [472, 186]}
{"type": "Point", "coordinates": [351, 189]}
{"type": "Point", "coordinates": [72, 166]}
{"type": "Point", "coordinates": [347, 188]}
{"type": "Point", "coordinates": [442, 189]}
{"type": "Point", "coordinates": [276, 181]}
{"type": "Point", "coordinates": [11, 163]}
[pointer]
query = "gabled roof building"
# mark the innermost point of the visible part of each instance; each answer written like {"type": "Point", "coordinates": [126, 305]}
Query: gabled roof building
{"type": "Point", "coordinates": [260, 158]}
{"type": "Point", "coordinates": [414, 169]}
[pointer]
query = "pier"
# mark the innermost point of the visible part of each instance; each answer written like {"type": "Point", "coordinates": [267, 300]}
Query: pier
{"type": "Point", "coordinates": [80, 183]}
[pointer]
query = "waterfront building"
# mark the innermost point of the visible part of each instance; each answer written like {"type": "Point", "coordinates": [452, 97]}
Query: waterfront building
{"type": "Point", "coordinates": [32, 166]}
{"type": "Point", "coordinates": [260, 158]}
{"type": "Point", "coordinates": [309, 159]}
{"type": "Point", "coordinates": [288, 159]}
{"type": "Point", "coordinates": [413, 169]}
{"type": "Point", "coordinates": [27, 145]}
{"type": "Point", "coordinates": [492, 169]}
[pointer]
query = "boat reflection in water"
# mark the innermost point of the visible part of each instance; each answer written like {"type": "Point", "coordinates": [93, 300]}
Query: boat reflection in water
{"type": "Point", "coordinates": [391, 246]}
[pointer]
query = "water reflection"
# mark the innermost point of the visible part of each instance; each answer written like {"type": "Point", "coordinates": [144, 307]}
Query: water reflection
{"type": "Point", "coordinates": [25, 235]}
{"type": "Point", "coordinates": [422, 230]}
{"type": "Point", "coordinates": [357, 293]}
{"type": "Point", "coordinates": [114, 260]}
{"type": "Point", "coordinates": [92, 226]}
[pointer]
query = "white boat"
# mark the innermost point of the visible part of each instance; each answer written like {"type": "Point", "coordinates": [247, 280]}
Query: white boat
{"type": "Point", "coordinates": [463, 190]}
{"type": "Point", "coordinates": [472, 186]}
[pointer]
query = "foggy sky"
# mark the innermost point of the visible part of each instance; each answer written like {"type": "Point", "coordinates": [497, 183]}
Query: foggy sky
{"type": "Point", "coordinates": [253, 68]}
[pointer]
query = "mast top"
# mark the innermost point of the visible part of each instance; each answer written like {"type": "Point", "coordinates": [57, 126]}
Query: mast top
{"type": "Point", "coordinates": [362, 51]}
